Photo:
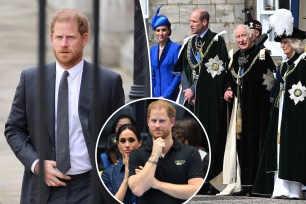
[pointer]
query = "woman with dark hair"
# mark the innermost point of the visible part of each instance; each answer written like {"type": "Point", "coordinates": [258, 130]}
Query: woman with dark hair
{"type": "Point", "coordinates": [282, 172]}
{"type": "Point", "coordinates": [111, 156]}
{"type": "Point", "coordinates": [115, 178]}
{"type": "Point", "coordinates": [121, 120]}
{"type": "Point", "coordinates": [163, 56]}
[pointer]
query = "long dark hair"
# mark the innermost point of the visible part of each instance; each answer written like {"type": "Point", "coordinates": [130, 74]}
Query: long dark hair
{"type": "Point", "coordinates": [131, 127]}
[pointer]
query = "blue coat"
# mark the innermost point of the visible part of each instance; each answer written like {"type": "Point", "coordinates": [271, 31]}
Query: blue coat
{"type": "Point", "coordinates": [164, 83]}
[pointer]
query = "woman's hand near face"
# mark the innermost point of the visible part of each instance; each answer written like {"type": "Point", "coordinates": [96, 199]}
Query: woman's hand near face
{"type": "Point", "coordinates": [126, 171]}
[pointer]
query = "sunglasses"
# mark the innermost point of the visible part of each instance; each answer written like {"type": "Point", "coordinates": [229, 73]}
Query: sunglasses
{"type": "Point", "coordinates": [130, 140]}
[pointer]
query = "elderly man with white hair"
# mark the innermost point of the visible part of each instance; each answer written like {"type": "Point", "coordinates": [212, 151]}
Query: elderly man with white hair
{"type": "Point", "coordinates": [250, 82]}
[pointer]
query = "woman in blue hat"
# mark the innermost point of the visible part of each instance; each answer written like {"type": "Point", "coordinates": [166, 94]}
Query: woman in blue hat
{"type": "Point", "coordinates": [163, 56]}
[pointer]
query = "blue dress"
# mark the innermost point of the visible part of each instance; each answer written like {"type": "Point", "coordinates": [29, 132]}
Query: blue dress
{"type": "Point", "coordinates": [112, 178]}
{"type": "Point", "coordinates": [164, 82]}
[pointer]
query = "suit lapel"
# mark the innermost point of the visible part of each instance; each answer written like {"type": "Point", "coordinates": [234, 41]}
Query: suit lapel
{"type": "Point", "coordinates": [85, 100]}
{"type": "Point", "coordinates": [165, 52]}
{"type": "Point", "coordinates": [50, 100]}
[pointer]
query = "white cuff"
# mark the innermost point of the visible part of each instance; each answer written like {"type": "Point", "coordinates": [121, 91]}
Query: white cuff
{"type": "Point", "coordinates": [33, 166]}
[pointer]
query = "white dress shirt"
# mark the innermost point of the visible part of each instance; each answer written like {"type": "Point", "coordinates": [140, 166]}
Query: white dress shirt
{"type": "Point", "coordinates": [79, 157]}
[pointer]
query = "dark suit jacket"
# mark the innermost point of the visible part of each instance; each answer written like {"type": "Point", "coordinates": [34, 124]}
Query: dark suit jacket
{"type": "Point", "coordinates": [20, 129]}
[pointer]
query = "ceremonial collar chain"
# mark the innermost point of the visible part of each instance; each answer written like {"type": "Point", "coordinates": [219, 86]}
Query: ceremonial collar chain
{"type": "Point", "coordinates": [290, 69]}
{"type": "Point", "coordinates": [237, 76]}
{"type": "Point", "coordinates": [198, 44]}
{"type": "Point", "coordinates": [242, 59]}
{"type": "Point", "coordinates": [202, 55]}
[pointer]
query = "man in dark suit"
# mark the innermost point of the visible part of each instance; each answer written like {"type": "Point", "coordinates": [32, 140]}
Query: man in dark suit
{"type": "Point", "coordinates": [69, 35]}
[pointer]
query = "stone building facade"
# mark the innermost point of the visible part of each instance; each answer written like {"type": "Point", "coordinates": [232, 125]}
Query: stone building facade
{"type": "Point", "coordinates": [117, 23]}
{"type": "Point", "coordinates": [116, 29]}
{"type": "Point", "coordinates": [224, 15]}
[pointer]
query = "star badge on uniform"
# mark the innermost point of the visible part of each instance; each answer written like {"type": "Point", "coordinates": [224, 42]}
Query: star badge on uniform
{"type": "Point", "coordinates": [214, 66]}
{"type": "Point", "coordinates": [269, 80]}
{"type": "Point", "coordinates": [297, 92]}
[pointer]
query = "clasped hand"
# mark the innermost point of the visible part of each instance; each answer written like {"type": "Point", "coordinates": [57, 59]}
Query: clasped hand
{"type": "Point", "coordinates": [52, 176]}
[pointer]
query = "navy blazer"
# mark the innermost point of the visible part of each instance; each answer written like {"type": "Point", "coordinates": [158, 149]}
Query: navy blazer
{"type": "Point", "coordinates": [164, 82]}
{"type": "Point", "coordinates": [20, 129]}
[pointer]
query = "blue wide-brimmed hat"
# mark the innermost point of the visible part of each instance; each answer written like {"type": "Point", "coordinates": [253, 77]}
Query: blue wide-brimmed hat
{"type": "Point", "coordinates": [159, 20]}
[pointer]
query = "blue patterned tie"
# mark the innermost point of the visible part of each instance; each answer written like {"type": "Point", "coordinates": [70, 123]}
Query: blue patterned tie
{"type": "Point", "coordinates": [62, 137]}
{"type": "Point", "coordinates": [199, 43]}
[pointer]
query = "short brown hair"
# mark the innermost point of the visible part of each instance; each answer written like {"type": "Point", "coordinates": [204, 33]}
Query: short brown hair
{"type": "Point", "coordinates": [162, 104]}
{"type": "Point", "coordinates": [204, 15]}
{"type": "Point", "coordinates": [69, 14]}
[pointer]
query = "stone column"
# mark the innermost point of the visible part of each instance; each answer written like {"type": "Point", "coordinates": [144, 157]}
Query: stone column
{"type": "Point", "coordinates": [141, 86]}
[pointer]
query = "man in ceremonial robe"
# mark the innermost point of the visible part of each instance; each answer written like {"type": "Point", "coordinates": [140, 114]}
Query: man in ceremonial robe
{"type": "Point", "coordinates": [203, 64]}
{"type": "Point", "coordinates": [250, 82]}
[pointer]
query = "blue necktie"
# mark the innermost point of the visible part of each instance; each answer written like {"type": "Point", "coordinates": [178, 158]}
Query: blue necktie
{"type": "Point", "coordinates": [198, 43]}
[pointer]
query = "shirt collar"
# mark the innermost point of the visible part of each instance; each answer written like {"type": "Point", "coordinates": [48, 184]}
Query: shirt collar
{"type": "Point", "coordinates": [73, 71]}
{"type": "Point", "coordinates": [202, 34]}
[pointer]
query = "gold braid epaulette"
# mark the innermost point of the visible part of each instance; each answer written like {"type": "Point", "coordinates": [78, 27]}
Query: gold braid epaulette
{"type": "Point", "coordinates": [249, 68]}
{"type": "Point", "coordinates": [202, 55]}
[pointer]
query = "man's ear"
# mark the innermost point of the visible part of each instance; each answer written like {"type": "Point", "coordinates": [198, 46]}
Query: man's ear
{"type": "Point", "coordinates": [85, 38]}
{"type": "Point", "coordinates": [172, 120]}
{"type": "Point", "coordinates": [51, 35]}
{"type": "Point", "coordinates": [204, 22]}
{"type": "Point", "coordinates": [256, 33]}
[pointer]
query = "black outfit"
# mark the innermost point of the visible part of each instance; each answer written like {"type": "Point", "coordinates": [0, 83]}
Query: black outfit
{"type": "Point", "coordinates": [292, 154]}
{"type": "Point", "coordinates": [254, 98]}
{"type": "Point", "coordinates": [180, 164]}
{"type": "Point", "coordinates": [208, 82]}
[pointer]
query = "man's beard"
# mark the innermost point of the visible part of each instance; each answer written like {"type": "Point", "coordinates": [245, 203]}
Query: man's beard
{"type": "Point", "coordinates": [162, 133]}
{"type": "Point", "coordinates": [69, 61]}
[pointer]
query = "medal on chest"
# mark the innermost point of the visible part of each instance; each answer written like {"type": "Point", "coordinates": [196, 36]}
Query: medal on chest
{"type": "Point", "coordinates": [297, 92]}
{"type": "Point", "coordinates": [214, 66]}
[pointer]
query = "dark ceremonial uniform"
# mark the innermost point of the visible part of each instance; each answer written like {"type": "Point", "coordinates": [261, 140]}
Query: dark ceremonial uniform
{"type": "Point", "coordinates": [292, 135]}
{"type": "Point", "coordinates": [203, 65]}
{"type": "Point", "coordinates": [251, 81]}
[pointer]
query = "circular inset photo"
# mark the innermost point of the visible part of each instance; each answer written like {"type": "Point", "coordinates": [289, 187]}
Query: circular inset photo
{"type": "Point", "coordinates": [153, 151]}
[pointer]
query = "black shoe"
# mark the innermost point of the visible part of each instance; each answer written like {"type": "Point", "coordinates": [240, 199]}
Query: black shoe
{"type": "Point", "coordinates": [246, 191]}
{"type": "Point", "coordinates": [249, 191]}
{"type": "Point", "coordinates": [240, 193]}
{"type": "Point", "coordinates": [212, 191]}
